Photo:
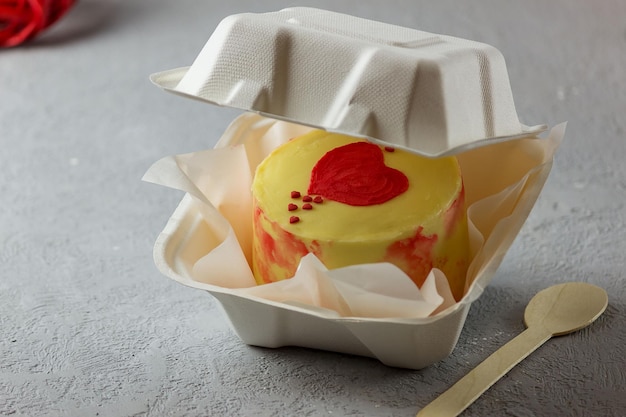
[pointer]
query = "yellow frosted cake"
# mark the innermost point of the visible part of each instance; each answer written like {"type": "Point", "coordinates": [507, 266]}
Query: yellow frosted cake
{"type": "Point", "coordinates": [350, 201]}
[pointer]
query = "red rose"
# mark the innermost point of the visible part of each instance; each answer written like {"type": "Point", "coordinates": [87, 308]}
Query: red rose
{"type": "Point", "coordinates": [21, 20]}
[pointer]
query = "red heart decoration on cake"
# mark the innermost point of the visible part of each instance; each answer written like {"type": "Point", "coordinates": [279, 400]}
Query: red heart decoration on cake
{"type": "Point", "coordinates": [356, 174]}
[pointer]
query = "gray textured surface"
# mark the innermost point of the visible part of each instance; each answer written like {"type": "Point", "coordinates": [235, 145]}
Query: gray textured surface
{"type": "Point", "coordinates": [89, 327]}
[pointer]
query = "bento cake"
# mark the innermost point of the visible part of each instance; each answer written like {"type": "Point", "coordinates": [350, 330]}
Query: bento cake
{"type": "Point", "coordinates": [350, 201]}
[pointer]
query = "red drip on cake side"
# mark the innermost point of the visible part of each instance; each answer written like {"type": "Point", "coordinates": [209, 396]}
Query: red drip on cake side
{"type": "Point", "coordinates": [280, 248]}
{"type": "Point", "coordinates": [413, 255]}
{"type": "Point", "coordinates": [454, 213]}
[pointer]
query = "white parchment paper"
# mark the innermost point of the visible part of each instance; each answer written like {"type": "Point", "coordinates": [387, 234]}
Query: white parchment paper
{"type": "Point", "coordinates": [502, 183]}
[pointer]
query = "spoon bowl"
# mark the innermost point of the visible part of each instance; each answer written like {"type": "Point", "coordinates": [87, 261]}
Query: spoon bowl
{"type": "Point", "coordinates": [565, 308]}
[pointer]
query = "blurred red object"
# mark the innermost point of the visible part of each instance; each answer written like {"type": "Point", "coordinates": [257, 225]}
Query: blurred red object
{"type": "Point", "coordinates": [21, 20]}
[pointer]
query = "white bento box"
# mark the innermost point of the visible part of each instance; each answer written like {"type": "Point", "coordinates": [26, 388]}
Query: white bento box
{"type": "Point", "coordinates": [303, 68]}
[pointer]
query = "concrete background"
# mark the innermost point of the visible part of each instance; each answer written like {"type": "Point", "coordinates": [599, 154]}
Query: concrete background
{"type": "Point", "coordinates": [88, 327]}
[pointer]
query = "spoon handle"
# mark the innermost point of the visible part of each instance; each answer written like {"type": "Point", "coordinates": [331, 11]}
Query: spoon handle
{"type": "Point", "coordinates": [458, 397]}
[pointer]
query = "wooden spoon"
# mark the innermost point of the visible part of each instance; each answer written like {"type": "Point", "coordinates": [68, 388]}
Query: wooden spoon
{"type": "Point", "coordinates": [554, 311]}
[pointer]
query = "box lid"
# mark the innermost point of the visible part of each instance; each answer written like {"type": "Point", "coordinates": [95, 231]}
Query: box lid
{"type": "Point", "coordinates": [427, 93]}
